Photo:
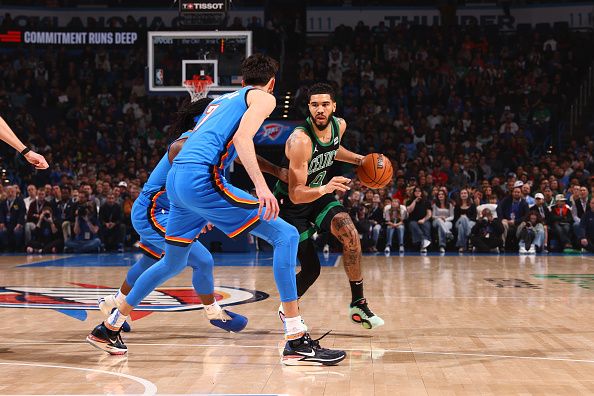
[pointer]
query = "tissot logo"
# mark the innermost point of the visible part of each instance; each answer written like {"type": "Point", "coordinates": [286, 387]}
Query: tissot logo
{"type": "Point", "coordinates": [12, 36]}
{"type": "Point", "coordinates": [207, 6]}
{"type": "Point", "coordinates": [84, 297]}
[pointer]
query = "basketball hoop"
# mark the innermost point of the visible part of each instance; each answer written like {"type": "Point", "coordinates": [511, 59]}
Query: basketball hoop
{"type": "Point", "coordinates": [198, 87]}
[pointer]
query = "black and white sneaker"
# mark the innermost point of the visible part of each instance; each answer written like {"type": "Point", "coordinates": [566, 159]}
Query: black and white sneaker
{"type": "Point", "coordinates": [307, 352]}
{"type": "Point", "coordinates": [107, 340]}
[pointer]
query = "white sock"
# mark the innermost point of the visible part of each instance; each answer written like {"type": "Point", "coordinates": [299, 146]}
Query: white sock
{"type": "Point", "coordinates": [294, 328]}
{"type": "Point", "coordinates": [115, 320]}
{"type": "Point", "coordinates": [213, 311]}
{"type": "Point", "coordinates": [120, 298]}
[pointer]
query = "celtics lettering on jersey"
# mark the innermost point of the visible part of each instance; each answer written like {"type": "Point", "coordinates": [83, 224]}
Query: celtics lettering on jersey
{"type": "Point", "coordinates": [322, 154]}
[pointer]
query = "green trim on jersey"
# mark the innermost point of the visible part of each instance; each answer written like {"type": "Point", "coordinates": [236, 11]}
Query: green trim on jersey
{"type": "Point", "coordinates": [335, 129]}
{"type": "Point", "coordinates": [324, 212]}
{"type": "Point", "coordinates": [305, 235]}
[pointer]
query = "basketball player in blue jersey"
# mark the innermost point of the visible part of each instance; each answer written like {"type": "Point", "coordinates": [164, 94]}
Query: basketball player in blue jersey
{"type": "Point", "coordinates": [199, 194]}
{"type": "Point", "coordinates": [308, 201]}
{"type": "Point", "coordinates": [149, 218]}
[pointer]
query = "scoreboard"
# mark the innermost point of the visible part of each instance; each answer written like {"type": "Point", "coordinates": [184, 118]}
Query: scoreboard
{"type": "Point", "coordinates": [188, 7]}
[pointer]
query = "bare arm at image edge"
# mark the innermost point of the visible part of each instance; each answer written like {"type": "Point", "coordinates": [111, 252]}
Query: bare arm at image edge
{"type": "Point", "coordinates": [9, 137]}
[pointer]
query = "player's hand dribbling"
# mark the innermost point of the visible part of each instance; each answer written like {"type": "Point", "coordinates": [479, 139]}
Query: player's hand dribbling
{"type": "Point", "coordinates": [268, 200]}
{"type": "Point", "coordinates": [337, 183]}
{"type": "Point", "coordinates": [36, 160]}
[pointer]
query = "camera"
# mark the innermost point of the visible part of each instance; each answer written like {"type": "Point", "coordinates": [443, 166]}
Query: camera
{"type": "Point", "coordinates": [82, 211]}
{"type": "Point", "coordinates": [46, 215]}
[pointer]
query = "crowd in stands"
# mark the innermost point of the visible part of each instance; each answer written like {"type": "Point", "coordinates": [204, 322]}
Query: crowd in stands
{"type": "Point", "coordinates": [492, 216]}
{"type": "Point", "coordinates": [465, 118]}
{"type": "Point", "coordinates": [468, 117]}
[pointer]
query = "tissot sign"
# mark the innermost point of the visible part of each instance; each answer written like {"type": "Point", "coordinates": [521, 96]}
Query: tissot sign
{"type": "Point", "coordinates": [191, 6]}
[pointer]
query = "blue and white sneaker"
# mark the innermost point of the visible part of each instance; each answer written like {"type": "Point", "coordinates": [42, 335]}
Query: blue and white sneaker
{"type": "Point", "coordinates": [235, 324]}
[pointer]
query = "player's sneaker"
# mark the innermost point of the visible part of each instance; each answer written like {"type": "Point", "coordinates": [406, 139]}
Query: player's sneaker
{"type": "Point", "coordinates": [106, 305]}
{"type": "Point", "coordinates": [307, 352]}
{"type": "Point", "coordinates": [360, 313]}
{"type": "Point", "coordinates": [281, 315]}
{"type": "Point", "coordinates": [235, 324]}
{"type": "Point", "coordinates": [107, 340]}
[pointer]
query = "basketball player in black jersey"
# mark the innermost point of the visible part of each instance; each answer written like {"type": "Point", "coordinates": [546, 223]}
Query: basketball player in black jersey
{"type": "Point", "coordinates": [308, 201]}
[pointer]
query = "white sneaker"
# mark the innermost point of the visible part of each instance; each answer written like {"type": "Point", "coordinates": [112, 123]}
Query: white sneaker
{"type": "Point", "coordinates": [387, 251]}
{"type": "Point", "coordinates": [401, 249]}
{"type": "Point", "coordinates": [107, 304]}
{"type": "Point", "coordinates": [425, 243]}
{"type": "Point", "coordinates": [423, 250]}
{"type": "Point", "coordinates": [442, 250]}
{"type": "Point", "coordinates": [523, 250]}
{"type": "Point", "coordinates": [532, 250]}
{"type": "Point", "coordinates": [326, 249]}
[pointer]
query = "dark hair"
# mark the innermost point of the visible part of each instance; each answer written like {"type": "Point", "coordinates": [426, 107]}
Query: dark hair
{"type": "Point", "coordinates": [445, 200]}
{"type": "Point", "coordinates": [320, 89]}
{"type": "Point", "coordinates": [258, 69]}
{"type": "Point", "coordinates": [184, 118]}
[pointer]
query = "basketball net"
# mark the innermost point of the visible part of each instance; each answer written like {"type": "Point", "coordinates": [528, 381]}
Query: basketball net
{"type": "Point", "coordinates": [198, 87]}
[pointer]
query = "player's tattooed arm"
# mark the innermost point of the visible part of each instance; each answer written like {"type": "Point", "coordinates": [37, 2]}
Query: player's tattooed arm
{"type": "Point", "coordinates": [344, 230]}
{"type": "Point", "coordinates": [291, 140]}
{"type": "Point", "coordinates": [345, 155]}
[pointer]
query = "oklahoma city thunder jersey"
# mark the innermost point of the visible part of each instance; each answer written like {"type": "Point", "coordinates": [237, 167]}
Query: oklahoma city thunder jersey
{"type": "Point", "coordinates": [212, 143]}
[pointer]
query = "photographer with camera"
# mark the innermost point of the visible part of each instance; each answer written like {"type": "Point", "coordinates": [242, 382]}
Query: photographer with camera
{"type": "Point", "coordinates": [531, 233]}
{"type": "Point", "coordinates": [46, 237]}
{"type": "Point", "coordinates": [486, 233]}
{"type": "Point", "coordinates": [34, 213]}
{"type": "Point", "coordinates": [84, 239]}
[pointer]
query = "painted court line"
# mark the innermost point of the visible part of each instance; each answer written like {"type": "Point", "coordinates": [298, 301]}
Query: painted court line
{"type": "Point", "coordinates": [149, 387]}
{"type": "Point", "coordinates": [372, 351]}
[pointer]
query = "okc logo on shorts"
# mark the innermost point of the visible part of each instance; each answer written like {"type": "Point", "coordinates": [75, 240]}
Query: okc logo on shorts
{"type": "Point", "coordinates": [75, 301]}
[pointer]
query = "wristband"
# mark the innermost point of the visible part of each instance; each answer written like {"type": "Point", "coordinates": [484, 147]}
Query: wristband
{"type": "Point", "coordinates": [25, 151]}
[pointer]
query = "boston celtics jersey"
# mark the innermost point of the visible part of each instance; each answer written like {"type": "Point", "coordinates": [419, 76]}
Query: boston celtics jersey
{"type": "Point", "coordinates": [322, 156]}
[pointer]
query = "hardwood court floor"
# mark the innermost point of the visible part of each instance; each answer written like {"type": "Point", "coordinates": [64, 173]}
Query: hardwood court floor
{"type": "Point", "coordinates": [454, 325]}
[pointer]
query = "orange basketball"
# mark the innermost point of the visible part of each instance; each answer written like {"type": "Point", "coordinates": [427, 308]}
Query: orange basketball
{"type": "Point", "coordinates": [375, 170]}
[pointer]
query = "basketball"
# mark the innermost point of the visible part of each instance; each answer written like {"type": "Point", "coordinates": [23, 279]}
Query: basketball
{"type": "Point", "coordinates": [375, 170]}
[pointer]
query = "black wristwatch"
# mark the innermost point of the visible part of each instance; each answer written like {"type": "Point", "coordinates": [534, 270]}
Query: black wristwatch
{"type": "Point", "coordinates": [25, 151]}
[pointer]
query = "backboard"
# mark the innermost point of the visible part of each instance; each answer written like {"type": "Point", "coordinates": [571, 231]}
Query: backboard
{"type": "Point", "coordinates": [174, 57]}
